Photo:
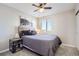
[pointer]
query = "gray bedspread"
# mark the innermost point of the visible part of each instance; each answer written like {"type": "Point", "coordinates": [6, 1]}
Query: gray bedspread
{"type": "Point", "coordinates": [42, 44]}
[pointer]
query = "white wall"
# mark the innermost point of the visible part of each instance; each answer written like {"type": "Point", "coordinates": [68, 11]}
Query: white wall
{"type": "Point", "coordinates": [77, 27]}
{"type": "Point", "coordinates": [63, 25]}
{"type": "Point", "coordinates": [9, 18]}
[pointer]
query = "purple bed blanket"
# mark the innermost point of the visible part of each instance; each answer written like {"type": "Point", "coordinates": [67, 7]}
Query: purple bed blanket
{"type": "Point", "coordinates": [43, 44]}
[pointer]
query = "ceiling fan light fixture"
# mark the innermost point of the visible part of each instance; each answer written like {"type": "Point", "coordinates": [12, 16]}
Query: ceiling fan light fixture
{"type": "Point", "coordinates": [41, 9]}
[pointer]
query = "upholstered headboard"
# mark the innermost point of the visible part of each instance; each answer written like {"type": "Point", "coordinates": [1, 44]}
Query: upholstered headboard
{"type": "Point", "coordinates": [28, 32]}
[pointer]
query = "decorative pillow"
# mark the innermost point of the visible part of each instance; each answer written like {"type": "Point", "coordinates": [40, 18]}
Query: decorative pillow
{"type": "Point", "coordinates": [33, 32]}
{"type": "Point", "coordinates": [28, 32]}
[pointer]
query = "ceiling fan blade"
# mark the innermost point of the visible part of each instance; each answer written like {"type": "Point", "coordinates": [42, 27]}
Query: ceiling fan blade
{"type": "Point", "coordinates": [77, 12]}
{"type": "Point", "coordinates": [47, 7]}
{"type": "Point", "coordinates": [40, 4]}
{"type": "Point", "coordinates": [35, 5]}
{"type": "Point", "coordinates": [44, 3]}
{"type": "Point", "coordinates": [36, 10]}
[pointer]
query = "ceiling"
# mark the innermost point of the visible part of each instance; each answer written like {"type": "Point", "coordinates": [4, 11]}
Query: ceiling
{"type": "Point", "coordinates": [29, 9]}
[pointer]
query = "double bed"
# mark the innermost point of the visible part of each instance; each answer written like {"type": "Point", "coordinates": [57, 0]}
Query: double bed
{"type": "Point", "coordinates": [43, 44]}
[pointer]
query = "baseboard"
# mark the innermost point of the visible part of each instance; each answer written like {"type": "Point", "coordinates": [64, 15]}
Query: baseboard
{"type": "Point", "coordinates": [4, 50]}
{"type": "Point", "coordinates": [68, 45]}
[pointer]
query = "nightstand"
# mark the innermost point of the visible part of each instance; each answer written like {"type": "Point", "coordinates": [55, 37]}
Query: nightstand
{"type": "Point", "coordinates": [15, 44]}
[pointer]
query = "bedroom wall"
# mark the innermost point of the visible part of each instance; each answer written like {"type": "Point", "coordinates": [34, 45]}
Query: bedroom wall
{"type": "Point", "coordinates": [9, 19]}
{"type": "Point", "coordinates": [63, 25]}
{"type": "Point", "coordinates": [77, 26]}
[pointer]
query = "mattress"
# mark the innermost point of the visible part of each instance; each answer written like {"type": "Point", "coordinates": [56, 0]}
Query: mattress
{"type": "Point", "coordinates": [43, 44]}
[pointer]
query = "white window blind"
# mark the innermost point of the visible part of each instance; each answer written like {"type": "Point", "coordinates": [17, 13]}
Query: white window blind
{"type": "Point", "coordinates": [46, 25]}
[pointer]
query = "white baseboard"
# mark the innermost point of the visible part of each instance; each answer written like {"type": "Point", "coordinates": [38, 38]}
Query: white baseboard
{"type": "Point", "coordinates": [4, 50]}
{"type": "Point", "coordinates": [68, 45]}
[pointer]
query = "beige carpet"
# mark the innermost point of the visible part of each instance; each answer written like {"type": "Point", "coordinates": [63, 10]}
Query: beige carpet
{"type": "Point", "coordinates": [67, 51]}
{"type": "Point", "coordinates": [62, 51]}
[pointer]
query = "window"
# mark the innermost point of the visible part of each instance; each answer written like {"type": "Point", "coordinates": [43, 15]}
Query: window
{"type": "Point", "coordinates": [33, 23]}
{"type": "Point", "coordinates": [46, 25]}
{"type": "Point", "coordinates": [49, 25]}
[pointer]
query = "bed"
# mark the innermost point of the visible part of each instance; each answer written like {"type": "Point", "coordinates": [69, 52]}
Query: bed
{"type": "Point", "coordinates": [43, 44]}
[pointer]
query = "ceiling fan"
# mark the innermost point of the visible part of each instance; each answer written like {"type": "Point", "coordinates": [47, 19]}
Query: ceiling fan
{"type": "Point", "coordinates": [41, 7]}
{"type": "Point", "coordinates": [77, 12]}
